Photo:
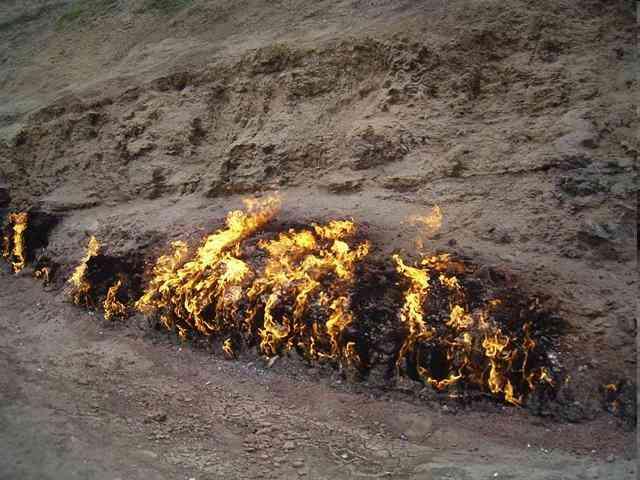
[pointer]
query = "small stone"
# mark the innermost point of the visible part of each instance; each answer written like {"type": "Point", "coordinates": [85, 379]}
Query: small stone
{"type": "Point", "coordinates": [289, 445]}
{"type": "Point", "coordinates": [298, 463]}
{"type": "Point", "coordinates": [156, 417]}
{"type": "Point", "coordinates": [610, 458]}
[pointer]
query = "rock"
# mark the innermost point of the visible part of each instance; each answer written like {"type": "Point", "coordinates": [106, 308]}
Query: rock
{"type": "Point", "coordinates": [497, 234]}
{"type": "Point", "coordinates": [149, 453]}
{"type": "Point", "coordinates": [347, 186]}
{"type": "Point", "coordinates": [580, 133]}
{"type": "Point", "coordinates": [371, 149]}
{"type": "Point", "coordinates": [404, 183]}
{"type": "Point", "coordinates": [610, 458]}
{"type": "Point", "coordinates": [289, 445]}
{"type": "Point", "coordinates": [581, 186]}
{"type": "Point", "coordinates": [137, 147]}
{"type": "Point", "coordinates": [595, 233]}
{"type": "Point", "coordinates": [156, 417]}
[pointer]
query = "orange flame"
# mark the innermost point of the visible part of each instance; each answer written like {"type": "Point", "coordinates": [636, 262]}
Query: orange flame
{"type": "Point", "coordinates": [113, 308]}
{"type": "Point", "coordinates": [303, 271]}
{"type": "Point", "coordinates": [296, 294]}
{"type": "Point", "coordinates": [13, 244]}
{"type": "Point", "coordinates": [297, 265]}
{"type": "Point", "coordinates": [227, 348]}
{"type": "Point", "coordinates": [185, 289]}
{"type": "Point", "coordinates": [428, 224]}
{"type": "Point", "coordinates": [476, 349]}
{"type": "Point", "coordinates": [79, 287]}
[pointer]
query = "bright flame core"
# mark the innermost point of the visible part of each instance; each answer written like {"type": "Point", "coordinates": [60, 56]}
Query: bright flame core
{"type": "Point", "coordinates": [298, 300]}
{"type": "Point", "coordinates": [79, 285]}
{"type": "Point", "coordinates": [295, 290]}
{"type": "Point", "coordinates": [113, 308]}
{"type": "Point", "coordinates": [13, 244]}
{"type": "Point", "coordinates": [471, 345]}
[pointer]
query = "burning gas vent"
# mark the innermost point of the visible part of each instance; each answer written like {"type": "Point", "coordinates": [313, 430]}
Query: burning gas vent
{"type": "Point", "coordinates": [318, 290]}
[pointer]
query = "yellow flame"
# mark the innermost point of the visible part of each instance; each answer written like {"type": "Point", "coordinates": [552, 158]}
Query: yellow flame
{"type": "Point", "coordinates": [459, 318]}
{"type": "Point", "coordinates": [227, 348]}
{"type": "Point", "coordinates": [412, 313]}
{"type": "Point", "coordinates": [476, 349]}
{"type": "Point", "coordinates": [297, 293]}
{"type": "Point", "coordinates": [297, 263]}
{"type": "Point", "coordinates": [113, 308]}
{"type": "Point", "coordinates": [303, 270]}
{"type": "Point", "coordinates": [430, 223]}
{"type": "Point", "coordinates": [79, 286]}
{"type": "Point", "coordinates": [13, 244]}
{"type": "Point", "coordinates": [184, 289]}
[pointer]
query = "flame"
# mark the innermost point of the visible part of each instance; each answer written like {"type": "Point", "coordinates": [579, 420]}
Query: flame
{"type": "Point", "coordinates": [113, 308]}
{"type": "Point", "coordinates": [412, 312]}
{"type": "Point", "coordinates": [185, 290]}
{"type": "Point", "coordinates": [227, 348]}
{"type": "Point", "coordinates": [298, 298]}
{"type": "Point", "coordinates": [430, 223]}
{"type": "Point", "coordinates": [474, 348]}
{"type": "Point", "coordinates": [79, 286]}
{"type": "Point", "coordinates": [306, 271]}
{"type": "Point", "coordinates": [293, 291]}
{"type": "Point", "coordinates": [13, 243]}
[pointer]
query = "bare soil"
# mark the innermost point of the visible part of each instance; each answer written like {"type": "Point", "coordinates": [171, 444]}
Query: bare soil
{"type": "Point", "coordinates": [143, 122]}
{"type": "Point", "coordinates": [85, 398]}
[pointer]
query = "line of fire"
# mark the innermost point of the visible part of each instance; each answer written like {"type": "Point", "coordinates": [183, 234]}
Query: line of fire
{"type": "Point", "coordinates": [321, 292]}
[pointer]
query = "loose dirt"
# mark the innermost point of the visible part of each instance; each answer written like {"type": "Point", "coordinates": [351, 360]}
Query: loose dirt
{"type": "Point", "coordinates": [85, 398]}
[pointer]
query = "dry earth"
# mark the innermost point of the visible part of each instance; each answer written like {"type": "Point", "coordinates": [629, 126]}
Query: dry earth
{"type": "Point", "coordinates": [146, 121]}
{"type": "Point", "coordinates": [82, 399]}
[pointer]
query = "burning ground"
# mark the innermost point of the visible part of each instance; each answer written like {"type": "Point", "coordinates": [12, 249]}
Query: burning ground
{"type": "Point", "coordinates": [322, 291]}
{"type": "Point", "coordinates": [433, 347]}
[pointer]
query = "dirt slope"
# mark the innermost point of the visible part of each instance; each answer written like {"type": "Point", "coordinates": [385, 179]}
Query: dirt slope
{"type": "Point", "coordinates": [146, 121]}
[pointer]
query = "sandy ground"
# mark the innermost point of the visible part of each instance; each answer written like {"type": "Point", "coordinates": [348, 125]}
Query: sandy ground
{"type": "Point", "coordinates": [81, 398]}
